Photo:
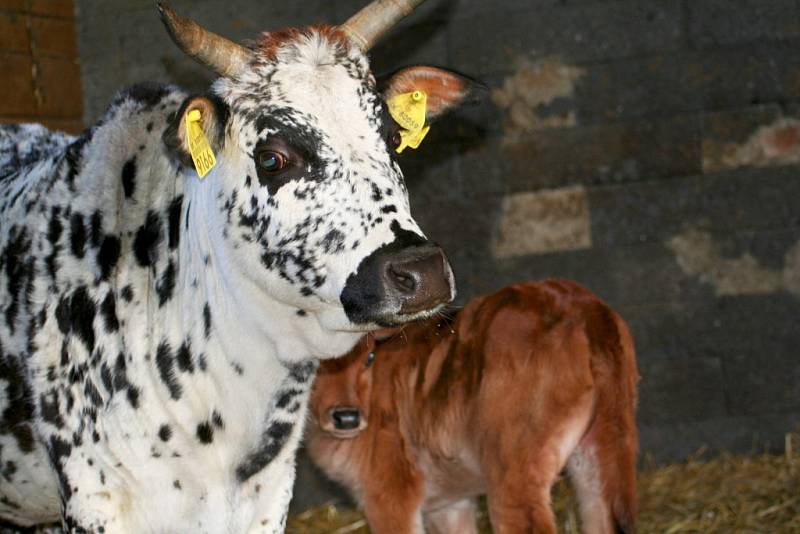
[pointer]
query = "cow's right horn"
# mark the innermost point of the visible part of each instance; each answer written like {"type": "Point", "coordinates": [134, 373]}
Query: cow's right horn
{"type": "Point", "coordinates": [368, 25]}
{"type": "Point", "coordinates": [223, 56]}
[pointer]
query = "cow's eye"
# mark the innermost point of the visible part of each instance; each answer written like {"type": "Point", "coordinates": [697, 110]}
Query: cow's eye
{"type": "Point", "coordinates": [395, 139]}
{"type": "Point", "coordinates": [271, 161]}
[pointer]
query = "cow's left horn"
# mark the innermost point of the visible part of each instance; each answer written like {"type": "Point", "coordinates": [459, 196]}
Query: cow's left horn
{"type": "Point", "coordinates": [373, 21]}
{"type": "Point", "coordinates": [223, 56]}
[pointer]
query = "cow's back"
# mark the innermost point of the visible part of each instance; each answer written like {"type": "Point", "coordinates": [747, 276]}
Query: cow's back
{"type": "Point", "coordinates": [28, 157]}
{"type": "Point", "coordinates": [22, 145]}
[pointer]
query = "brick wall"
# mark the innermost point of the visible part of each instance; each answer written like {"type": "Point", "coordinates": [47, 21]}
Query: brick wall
{"type": "Point", "coordinates": [38, 59]}
{"type": "Point", "coordinates": [647, 149]}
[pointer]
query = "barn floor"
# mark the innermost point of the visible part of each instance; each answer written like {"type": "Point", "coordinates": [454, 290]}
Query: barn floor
{"type": "Point", "coordinates": [725, 494]}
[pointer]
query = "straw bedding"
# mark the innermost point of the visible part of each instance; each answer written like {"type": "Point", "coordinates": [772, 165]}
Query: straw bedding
{"type": "Point", "coordinates": [728, 493]}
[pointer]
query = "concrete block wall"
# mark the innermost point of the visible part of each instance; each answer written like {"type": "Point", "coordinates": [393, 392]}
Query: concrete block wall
{"type": "Point", "coordinates": [648, 149]}
{"type": "Point", "coordinates": [38, 60]}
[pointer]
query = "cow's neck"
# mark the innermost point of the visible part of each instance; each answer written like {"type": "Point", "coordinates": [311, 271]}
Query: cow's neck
{"type": "Point", "coordinates": [248, 329]}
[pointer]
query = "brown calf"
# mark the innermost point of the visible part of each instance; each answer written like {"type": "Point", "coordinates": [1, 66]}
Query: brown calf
{"type": "Point", "coordinates": [522, 382]}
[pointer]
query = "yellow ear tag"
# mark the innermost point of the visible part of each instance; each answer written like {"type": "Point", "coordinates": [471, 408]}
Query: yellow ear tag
{"type": "Point", "coordinates": [408, 110]}
{"type": "Point", "coordinates": [201, 152]}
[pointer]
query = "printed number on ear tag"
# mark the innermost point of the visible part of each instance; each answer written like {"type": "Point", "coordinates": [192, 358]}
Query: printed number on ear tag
{"type": "Point", "coordinates": [202, 155]}
{"type": "Point", "coordinates": [408, 110]}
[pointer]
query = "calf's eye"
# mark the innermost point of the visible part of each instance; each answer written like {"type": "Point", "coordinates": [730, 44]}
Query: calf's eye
{"type": "Point", "coordinates": [271, 161]}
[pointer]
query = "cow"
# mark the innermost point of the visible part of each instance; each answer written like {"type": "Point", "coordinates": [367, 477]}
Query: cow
{"type": "Point", "coordinates": [163, 315]}
{"type": "Point", "coordinates": [494, 401]}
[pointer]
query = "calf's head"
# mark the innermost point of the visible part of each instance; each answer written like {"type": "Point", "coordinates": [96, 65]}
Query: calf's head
{"type": "Point", "coordinates": [340, 400]}
{"type": "Point", "coordinates": [307, 190]}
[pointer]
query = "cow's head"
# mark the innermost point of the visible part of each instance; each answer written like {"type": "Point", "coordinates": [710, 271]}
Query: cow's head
{"type": "Point", "coordinates": [307, 185]}
{"type": "Point", "coordinates": [341, 398]}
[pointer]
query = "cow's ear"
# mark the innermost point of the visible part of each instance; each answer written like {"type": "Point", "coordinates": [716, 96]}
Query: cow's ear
{"type": "Point", "coordinates": [445, 89]}
{"type": "Point", "coordinates": [213, 118]}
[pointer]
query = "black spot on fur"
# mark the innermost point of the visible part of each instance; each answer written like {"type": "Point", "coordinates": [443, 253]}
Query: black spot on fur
{"type": "Point", "coordinates": [77, 232]}
{"type": "Point", "coordinates": [127, 293]}
{"type": "Point", "coordinates": [166, 369]}
{"type": "Point", "coordinates": [302, 372]}
{"type": "Point", "coordinates": [286, 397]}
{"type": "Point", "coordinates": [58, 450]}
{"type": "Point", "coordinates": [8, 470]}
{"type": "Point", "coordinates": [174, 222]}
{"type": "Point", "coordinates": [54, 230]}
{"type": "Point", "coordinates": [49, 409]}
{"type": "Point", "coordinates": [19, 272]}
{"type": "Point", "coordinates": [146, 241]}
{"type": "Point", "coordinates": [166, 285]}
{"type": "Point", "coordinates": [108, 310]}
{"type": "Point", "coordinates": [272, 441]}
{"type": "Point", "coordinates": [164, 433]}
{"type": "Point", "coordinates": [106, 378]}
{"type": "Point", "coordinates": [205, 433]}
{"type": "Point", "coordinates": [73, 156]}
{"type": "Point", "coordinates": [184, 358]}
{"type": "Point", "coordinates": [82, 311]}
{"type": "Point", "coordinates": [133, 397]}
{"type": "Point", "coordinates": [107, 256]}
{"type": "Point", "coordinates": [217, 419]}
{"type": "Point", "coordinates": [129, 177]}
{"type": "Point", "coordinates": [206, 320]}
{"type": "Point", "coordinates": [19, 410]}
{"type": "Point", "coordinates": [96, 228]}
{"type": "Point", "coordinates": [377, 195]}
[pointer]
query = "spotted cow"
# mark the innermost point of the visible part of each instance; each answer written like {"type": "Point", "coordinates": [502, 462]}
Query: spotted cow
{"type": "Point", "coordinates": [159, 332]}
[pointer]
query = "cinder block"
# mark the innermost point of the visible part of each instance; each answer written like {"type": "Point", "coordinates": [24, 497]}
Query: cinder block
{"type": "Point", "coordinates": [54, 37]}
{"type": "Point", "coordinates": [715, 23]}
{"type": "Point", "coordinates": [542, 221]}
{"type": "Point", "coordinates": [60, 83]}
{"type": "Point", "coordinates": [752, 199]}
{"type": "Point", "coordinates": [680, 389]}
{"type": "Point", "coordinates": [12, 5]}
{"type": "Point", "coordinates": [744, 435]}
{"type": "Point", "coordinates": [760, 137]}
{"type": "Point", "coordinates": [13, 33]}
{"type": "Point", "coordinates": [597, 154]}
{"type": "Point", "coordinates": [16, 91]}
{"type": "Point", "coordinates": [579, 34]}
{"type": "Point", "coordinates": [55, 8]}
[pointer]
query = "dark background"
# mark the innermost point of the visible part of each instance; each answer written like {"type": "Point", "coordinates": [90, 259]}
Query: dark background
{"type": "Point", "coordinates": [647, 149]}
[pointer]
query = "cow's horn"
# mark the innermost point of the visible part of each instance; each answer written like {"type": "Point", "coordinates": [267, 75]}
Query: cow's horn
{"type": "Point", "coordinates": [224, 57]}
{"type": "Point", "coordinates": [369, 24]}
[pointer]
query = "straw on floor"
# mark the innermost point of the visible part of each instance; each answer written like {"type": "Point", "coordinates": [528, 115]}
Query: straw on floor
{"type": "Point", "coordinates": [729, 493]}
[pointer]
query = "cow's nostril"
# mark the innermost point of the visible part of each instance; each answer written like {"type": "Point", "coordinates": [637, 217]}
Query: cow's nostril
{"type": "Point", "coordinates": [345, 418]}
{"type": "Point", "coordinates": [403, 280]}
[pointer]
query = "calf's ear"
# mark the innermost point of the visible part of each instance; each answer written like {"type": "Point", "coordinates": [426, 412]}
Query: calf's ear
{"type": "Point", "coordinates": [445, 89]}
{"type": "Point", "coordinates": [213, 118]}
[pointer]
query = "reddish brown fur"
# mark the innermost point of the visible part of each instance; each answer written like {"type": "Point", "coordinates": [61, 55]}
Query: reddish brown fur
{"type": "Point", "coordinates": [270, 42]}
{"type": "Point", "coordinates": [526, 380]}
{"type": "Point", "coordinates": [442, 91]}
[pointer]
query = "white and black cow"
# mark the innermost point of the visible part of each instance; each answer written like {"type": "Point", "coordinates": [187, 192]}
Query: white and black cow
{"type": "Point", "coordinates": [159, 331]}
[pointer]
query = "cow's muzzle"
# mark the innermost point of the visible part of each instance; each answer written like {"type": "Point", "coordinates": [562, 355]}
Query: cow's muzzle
{"type": "Point", "coordinates": [398, 283]}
